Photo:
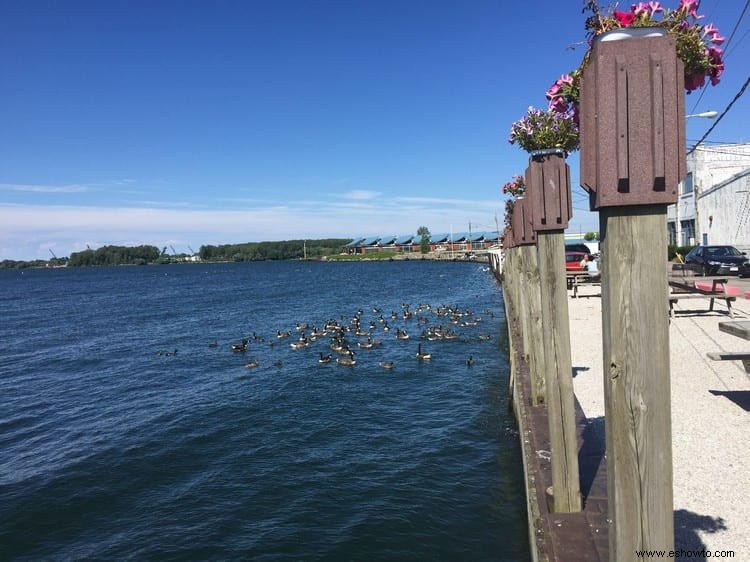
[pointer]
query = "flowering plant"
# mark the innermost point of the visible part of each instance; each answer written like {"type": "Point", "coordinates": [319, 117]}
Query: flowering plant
{"type": "Point", "coordinates": [515, 188]}
{"type": "Point", "coordinates": [697, 45]}
{"type": "Point", "coordinates": [509, 204]}
{"type": "Point", "coordinates": [545, 129]}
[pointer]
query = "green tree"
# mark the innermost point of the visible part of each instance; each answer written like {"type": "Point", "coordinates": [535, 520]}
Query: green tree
{"type": "Point", "coordinates": [424, 244]}
{"type": "Point", "coordinates": [589, 236]}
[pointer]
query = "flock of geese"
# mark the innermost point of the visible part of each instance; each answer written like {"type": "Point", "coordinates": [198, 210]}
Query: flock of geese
{"type": "Point", "coordinates": [344, 339]}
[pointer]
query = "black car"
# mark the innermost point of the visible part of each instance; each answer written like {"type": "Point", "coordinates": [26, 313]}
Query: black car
{"type": "Point", "coordinates": [717, 260]}
{"type": "Point", "coordinates": [744, 270]}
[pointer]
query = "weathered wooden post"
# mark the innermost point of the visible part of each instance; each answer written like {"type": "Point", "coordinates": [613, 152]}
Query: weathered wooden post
{"type": "Point", "coordinates": [632, 158]}
{"type": "Point", "coordinates": [530, 297]}
{"type": "Point", "coordinates": [509, 283]}
{"type": "Point", "coordinates": [548, 187]}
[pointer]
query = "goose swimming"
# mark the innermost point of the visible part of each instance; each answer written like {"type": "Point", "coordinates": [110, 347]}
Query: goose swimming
{"type": "Point", "coordinates": [347, 361]}
{"type": "Point", "coordinates": [422, 356]}
{"type": "Point", "coordinates": [324, 358]}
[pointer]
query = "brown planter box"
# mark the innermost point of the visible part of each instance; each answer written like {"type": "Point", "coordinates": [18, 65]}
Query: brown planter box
{"type": "Point", "coordinates": [522, 224]}
{"type": "Point", "coordinates": [632, 122]}
{"type": "Point", "coordinates": [548, 191]}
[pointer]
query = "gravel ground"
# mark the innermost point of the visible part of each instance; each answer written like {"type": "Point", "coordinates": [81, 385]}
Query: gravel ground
{"type": "Point", "coordinates": [710, 417]}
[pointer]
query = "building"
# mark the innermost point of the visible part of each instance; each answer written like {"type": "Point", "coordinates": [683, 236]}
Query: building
{"type": "Point", "coordinates": [714, 199]}
{"type": "Point", "coordinates": [452, 242]}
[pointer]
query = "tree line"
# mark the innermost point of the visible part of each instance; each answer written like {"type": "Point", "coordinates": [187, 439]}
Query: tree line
{"type": "Point", "coordinates": [284, 250]}
{"type": "Point", "coordinates": [146, 254]}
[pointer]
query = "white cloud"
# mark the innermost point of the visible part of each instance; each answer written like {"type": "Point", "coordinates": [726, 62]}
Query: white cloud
{"type": "Point", "coordinates": [30, 188]}
{"type": "Point", "coordinates": [362, 194]}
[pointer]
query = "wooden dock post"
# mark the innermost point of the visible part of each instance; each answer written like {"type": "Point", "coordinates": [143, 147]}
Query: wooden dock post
{"type": "Point", "coordinates": [635, 334]}
{"type": "Point", "coordinates": [632, 158]}
{"type": "Point", "coordinates": [548, 184]}
{"type": "Point", "coordinates": [530, 282]}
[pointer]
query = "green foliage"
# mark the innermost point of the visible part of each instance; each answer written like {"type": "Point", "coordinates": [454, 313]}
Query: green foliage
{"type": "Point", "coordinates": [423, 231]}
{"type": "Point", "coordinates": [589, 236]}
{"type": "Point", "coordinates": [115, 255]}
{"type": "Point", "coordinates": [15, 264]}
{"type": "Point", "coordinates": [424, 244]}
{"type": "Point", "coordinates": [673, 250]}
{"type": "Point", "coordinates": [284, 250]}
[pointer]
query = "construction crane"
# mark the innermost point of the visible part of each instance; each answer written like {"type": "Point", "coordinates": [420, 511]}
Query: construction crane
{"type": "Point", "coordinates": [191, 250]}
{"type": "Point", "coordinates": [173, 250]}
{"type": "Point", "coordinates": [53, 253]}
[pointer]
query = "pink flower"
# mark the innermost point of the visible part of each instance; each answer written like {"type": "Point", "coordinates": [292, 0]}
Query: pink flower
{"type": "Point", "coordinates": [640, 9]}
{"type": "Point", "coordinates": [558, 104]}
{"type": "Point", "coordinates": [710, 29]}
{"type": "Point", "coordinates": [553, 91]}
{"type": "Point", "coordinates": [689, 7]}
{"type": "Point", "coordinates": [715, 53]}
{"type": "Point", "coordinates": [715, 73]}
{"type": "Point", "coordinates": [694, 82]}
{"type": "Point", "coordinates": [565, 79]}
{"type": "Point", "coordinates": [655, 7]}
{"type": "Point", "coordinates": [626, 18]}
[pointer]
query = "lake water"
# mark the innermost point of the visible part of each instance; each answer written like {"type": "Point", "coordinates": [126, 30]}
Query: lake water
{"type": "Point", "coordinates": [114, 447]}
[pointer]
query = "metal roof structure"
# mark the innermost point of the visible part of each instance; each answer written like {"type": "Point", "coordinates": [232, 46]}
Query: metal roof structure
{"type": "Point", "coordinates": [414, 239]}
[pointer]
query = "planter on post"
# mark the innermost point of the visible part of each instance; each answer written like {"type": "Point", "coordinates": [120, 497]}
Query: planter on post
{"type": "Point", "coordinates": [632, 125]}
{"type": "Point", "coordinates": [632, 158]}
{"type": "Point", "coordinates": [548, 189]}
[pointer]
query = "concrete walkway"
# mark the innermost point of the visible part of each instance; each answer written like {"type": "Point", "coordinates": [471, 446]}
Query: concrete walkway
{"type": "Point", "coordinates": [710, 417]}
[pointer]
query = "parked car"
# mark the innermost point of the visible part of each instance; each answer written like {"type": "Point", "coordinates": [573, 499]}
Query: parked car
{"type": "Point", "coordinates": [716, 260]}
{"type": "Point", "coordinates": [573, 261]}
{"type": "Point", "coordinates": [744, 270]}
{"type": "Point", "coordinates": [583, 248]}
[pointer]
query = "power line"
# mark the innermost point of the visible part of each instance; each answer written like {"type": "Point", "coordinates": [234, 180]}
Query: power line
{"type": "Point", "coordinates": [726, 47]}
{"type": "Point", "coordinates": [718, 119]}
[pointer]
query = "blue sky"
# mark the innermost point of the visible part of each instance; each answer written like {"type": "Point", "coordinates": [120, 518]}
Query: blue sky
{"type": "Point", "coordinates": [218, 121]}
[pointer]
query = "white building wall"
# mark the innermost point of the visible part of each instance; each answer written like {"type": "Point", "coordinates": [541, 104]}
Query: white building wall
{"type": "Point", "coordinates": [717, 191]}
{"type": "Point", "coordinates": [725, 212]}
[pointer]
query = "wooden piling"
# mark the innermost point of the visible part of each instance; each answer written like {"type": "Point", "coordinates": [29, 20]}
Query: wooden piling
{"type": "Point", "coordinates": [555, 331]}
{"type": "Point", "coordinates": [635, 333]}
{"type": "Point", "coordinates": [531, 296]}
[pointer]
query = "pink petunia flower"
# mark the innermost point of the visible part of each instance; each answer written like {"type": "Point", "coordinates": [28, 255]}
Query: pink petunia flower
{"type": "Point", "coordinates": [640, 9]}
{"type": "Point", "coordinates": [694, 82]}
{"type": "Point", "coordinates": [655, 7]}
{"type": "Point", "coordinates": [625, 18]}
{"type": "Point", "coordinates": [553, 91]}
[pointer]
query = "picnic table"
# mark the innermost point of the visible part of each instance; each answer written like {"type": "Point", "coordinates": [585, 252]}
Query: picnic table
{"type": "Point", "coordinates": [578, 278]}
{"type": "Point", "coordinates": [741, 329]}
{"type": "Point", "coordinates": [689, 288]}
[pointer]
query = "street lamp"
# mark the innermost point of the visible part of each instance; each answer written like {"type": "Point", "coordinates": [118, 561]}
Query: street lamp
{"type": "Point", "coordinates": [705, 114]}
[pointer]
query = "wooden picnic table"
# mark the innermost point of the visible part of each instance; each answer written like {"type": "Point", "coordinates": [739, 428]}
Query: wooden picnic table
{"type": "Point", "coordinates": [741, 329]}
{"type": "Point", "coordinates": [685, 288]}
{"type": "Point", "coordinates": [576, 279]}
{"type": "Point", "coordinates": [688, 284]}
